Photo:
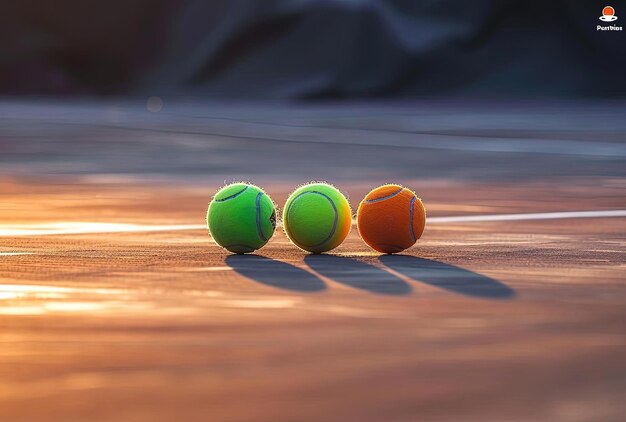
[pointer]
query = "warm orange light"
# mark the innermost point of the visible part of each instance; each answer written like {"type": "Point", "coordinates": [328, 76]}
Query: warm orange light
{"type": "Point", "coordinates": [75, 227]}
{"type": "Point", "coordinates": [608, 11]}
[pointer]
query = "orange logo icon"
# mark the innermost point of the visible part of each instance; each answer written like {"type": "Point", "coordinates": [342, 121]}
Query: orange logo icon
{"type": "Point", "coordinates": [608, 14]}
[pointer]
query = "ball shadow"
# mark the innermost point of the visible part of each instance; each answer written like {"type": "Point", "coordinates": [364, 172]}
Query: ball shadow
{"type": "Point", "coordinates": [447, 276]}
{"type": "Point", "coordinates": [275, 273]}
{"type": "Point", "coordinates": [357, 274]}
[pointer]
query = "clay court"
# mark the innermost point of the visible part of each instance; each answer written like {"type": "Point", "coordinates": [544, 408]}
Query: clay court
{"type": "Point", "coordinates": [115, 304]}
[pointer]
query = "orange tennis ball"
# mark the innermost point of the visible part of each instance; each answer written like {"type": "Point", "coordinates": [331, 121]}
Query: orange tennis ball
{"type": "Point", "coordinates": [391, 218]}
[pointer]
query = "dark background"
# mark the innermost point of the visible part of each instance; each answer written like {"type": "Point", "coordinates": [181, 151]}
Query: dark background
{"type": "Point", "coordinates": [311, 49]}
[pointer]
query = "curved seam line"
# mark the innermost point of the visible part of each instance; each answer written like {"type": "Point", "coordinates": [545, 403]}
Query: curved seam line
{"type": "Point", "coordinates": [258, 217]}
{"type": "Point", "coordinates": [411, 218]}
{"type": "Point", "coordinates": [332, 231]}
{"type": "Point", "coordinates": [234, 195]}
{"type": "Point", "coordinates": [382, 198]}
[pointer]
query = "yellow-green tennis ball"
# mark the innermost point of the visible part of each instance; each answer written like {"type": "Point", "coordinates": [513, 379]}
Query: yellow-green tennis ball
{"type": "Point", "coordinates": [241, 218]}
{"type": "Point", "coordinates": [317, 217]}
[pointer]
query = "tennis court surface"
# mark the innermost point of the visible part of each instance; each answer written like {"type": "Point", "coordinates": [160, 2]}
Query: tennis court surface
{"type": "Point", "coordinates": [116, 305]}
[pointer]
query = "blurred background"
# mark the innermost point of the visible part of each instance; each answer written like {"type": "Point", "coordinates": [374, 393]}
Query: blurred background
{"type": "Point", "coordinates": [119, 120]}
{"type": "Point", "coordinates": [306, 49]}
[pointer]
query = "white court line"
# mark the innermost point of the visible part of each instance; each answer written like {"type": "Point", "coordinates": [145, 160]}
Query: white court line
{"type": "Point", "coordinates": [90, 227]}
{"type": "Point", "coordinates": [528, 216]}
{"type": "Point", "coordinates": [15, 253]}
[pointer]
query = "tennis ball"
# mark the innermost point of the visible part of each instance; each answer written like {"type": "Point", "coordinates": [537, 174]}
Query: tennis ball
{"type": "Point", "coordinates": [241, 218]}
{"type": "Point", "coordinates": [317, 217]}
{"type": "Point", "coordinates": [391, 218]}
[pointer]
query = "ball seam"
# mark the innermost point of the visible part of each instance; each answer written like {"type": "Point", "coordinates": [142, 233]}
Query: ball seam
{"type": "Point", "coordinates": [258, 217]}
{"type": "Point", "coordinates": [382, 198]}
{"type": "Point", "coordinates": [334, 228]}
{"type": "Point", "coordinates": [234, 195]}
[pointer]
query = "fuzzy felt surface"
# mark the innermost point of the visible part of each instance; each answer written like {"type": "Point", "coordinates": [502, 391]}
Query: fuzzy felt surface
{"type": "Point", "coordinates": [241, 218]}
{"type": "Point", "coordinates": [317, 217]}
{"type": "Point", "coordinates": [391, 218]}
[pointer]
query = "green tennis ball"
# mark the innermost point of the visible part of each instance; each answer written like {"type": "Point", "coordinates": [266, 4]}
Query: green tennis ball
{"type": "Point", "coordinates": [241, 218]}
{"type": "Point", "coordinates": [317, 217]}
